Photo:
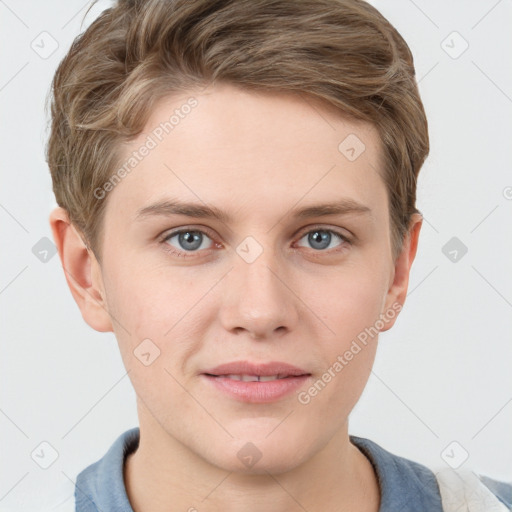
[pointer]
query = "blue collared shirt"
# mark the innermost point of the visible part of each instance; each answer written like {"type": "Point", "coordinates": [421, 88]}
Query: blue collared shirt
{"type": "Point", "coordinates": [405, 485]}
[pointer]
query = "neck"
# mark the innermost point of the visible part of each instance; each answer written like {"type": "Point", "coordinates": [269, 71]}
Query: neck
{"type": "Point", "coordinates": [163, 474]}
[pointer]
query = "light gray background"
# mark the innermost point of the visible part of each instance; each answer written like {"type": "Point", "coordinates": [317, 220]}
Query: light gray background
{"type": "Point", "coordinates": [442, 374]}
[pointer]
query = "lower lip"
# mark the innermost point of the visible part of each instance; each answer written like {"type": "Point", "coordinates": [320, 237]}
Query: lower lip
{"type": "Point", "coordinates": [257, 392]}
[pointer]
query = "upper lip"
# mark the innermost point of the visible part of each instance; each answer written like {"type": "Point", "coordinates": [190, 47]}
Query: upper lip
{"type": "Point", "coordinates": [261, 369]}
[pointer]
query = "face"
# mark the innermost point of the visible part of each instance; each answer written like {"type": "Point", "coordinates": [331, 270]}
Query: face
{"type": "Point", "coordinates": [262, 284]}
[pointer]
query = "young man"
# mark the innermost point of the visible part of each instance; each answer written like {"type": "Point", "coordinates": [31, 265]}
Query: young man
{"type": "Point", "coordinates": [236, 184]}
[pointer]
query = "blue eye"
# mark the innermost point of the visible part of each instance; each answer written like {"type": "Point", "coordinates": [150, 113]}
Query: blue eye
{"type": "Point", "coordinates": [190, 241]}
{"type": "Point", "coordinates": [321, 239]}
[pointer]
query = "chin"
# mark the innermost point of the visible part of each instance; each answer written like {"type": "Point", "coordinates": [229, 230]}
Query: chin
{"type": "Point", "coordinates": [258, 453]}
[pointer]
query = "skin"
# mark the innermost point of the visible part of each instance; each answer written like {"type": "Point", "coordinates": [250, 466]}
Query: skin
{"type": "Point", "coordinates": [258, 156]}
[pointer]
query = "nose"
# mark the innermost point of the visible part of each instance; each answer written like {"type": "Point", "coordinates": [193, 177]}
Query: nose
{"type": "Point", "coordinates": [259, 297]}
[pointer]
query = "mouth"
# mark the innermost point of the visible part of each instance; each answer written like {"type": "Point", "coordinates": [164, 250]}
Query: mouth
{"type": "Point", "coordinates": [256, 382]}
{"type": "Point", "coordinates": [255, 378]}
{"type": "Point", "coordinates": [248, 371]}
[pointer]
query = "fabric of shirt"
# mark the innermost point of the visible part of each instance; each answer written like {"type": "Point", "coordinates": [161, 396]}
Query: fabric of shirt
{"type": "Point", "coordinates": [405, 485]}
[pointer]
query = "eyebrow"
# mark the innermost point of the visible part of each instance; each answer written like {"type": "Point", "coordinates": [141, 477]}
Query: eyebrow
{"type": "Point", "coordinates": [200, 211]}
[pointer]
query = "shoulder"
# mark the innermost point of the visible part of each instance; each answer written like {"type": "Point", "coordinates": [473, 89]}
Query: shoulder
{"type": "Point", "coordinates": [405, 485]}
{"type": "Point", "coordinates": [408, 485]}
{"type": "Point", "coordinates": [100, 486]}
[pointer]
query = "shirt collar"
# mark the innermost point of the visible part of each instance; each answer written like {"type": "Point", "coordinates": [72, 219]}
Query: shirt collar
{"type": "Point", "coordinates": [100, 487]}
{"type": "Point", "coordinates": [405, 485]}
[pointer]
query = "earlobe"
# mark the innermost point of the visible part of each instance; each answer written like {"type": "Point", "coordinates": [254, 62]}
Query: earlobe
{"type": "Point", "coordinates": [82, 271]}
{"type": "Point", "coordinates": [397, 292]}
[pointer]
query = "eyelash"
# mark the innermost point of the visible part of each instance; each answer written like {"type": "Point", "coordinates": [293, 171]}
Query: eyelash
{"type": "Point", "coordinates": [190, 254]}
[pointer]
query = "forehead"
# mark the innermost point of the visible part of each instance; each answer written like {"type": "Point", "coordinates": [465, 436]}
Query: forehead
{"type": "Point", "coordinates": [250, 150]}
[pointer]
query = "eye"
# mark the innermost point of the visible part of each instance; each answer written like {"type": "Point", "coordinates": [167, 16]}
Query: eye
{"type": "Point", "coordinates": [187, 240]}
{"type": "Point", "coordinates": [321, 239]}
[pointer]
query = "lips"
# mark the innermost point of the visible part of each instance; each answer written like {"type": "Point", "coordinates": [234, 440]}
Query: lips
{"type": "Point", "coordinates": [245, 369]}
{"type": "Point", "coordinates": [256, 383]}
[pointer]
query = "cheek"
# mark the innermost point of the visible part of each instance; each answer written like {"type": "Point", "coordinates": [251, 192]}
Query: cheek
{"type": "Point", "coordinates": [149, 313]}
{"type": "Point", "coordinates": [152, 303]}
{"type": "Point", "coordinates": [140, 311]}
{"type": "Point", "coordinates": [147, 296]}
{"type": "Point", "coordinates": [347, 299]}
{"type": "Point", "coordinates": [350, 307]}
{"type": "Point", "coordinates": [135, 301]}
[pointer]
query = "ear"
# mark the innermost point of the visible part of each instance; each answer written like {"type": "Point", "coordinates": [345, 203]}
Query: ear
{"type": "Point", "coordinates": [397, 291]}
{"type": "Point", "coordinates": [82, 271]}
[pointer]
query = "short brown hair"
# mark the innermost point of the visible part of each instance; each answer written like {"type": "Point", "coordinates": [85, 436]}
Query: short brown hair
{"type": "Point", "coordinates": [342, 52]}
